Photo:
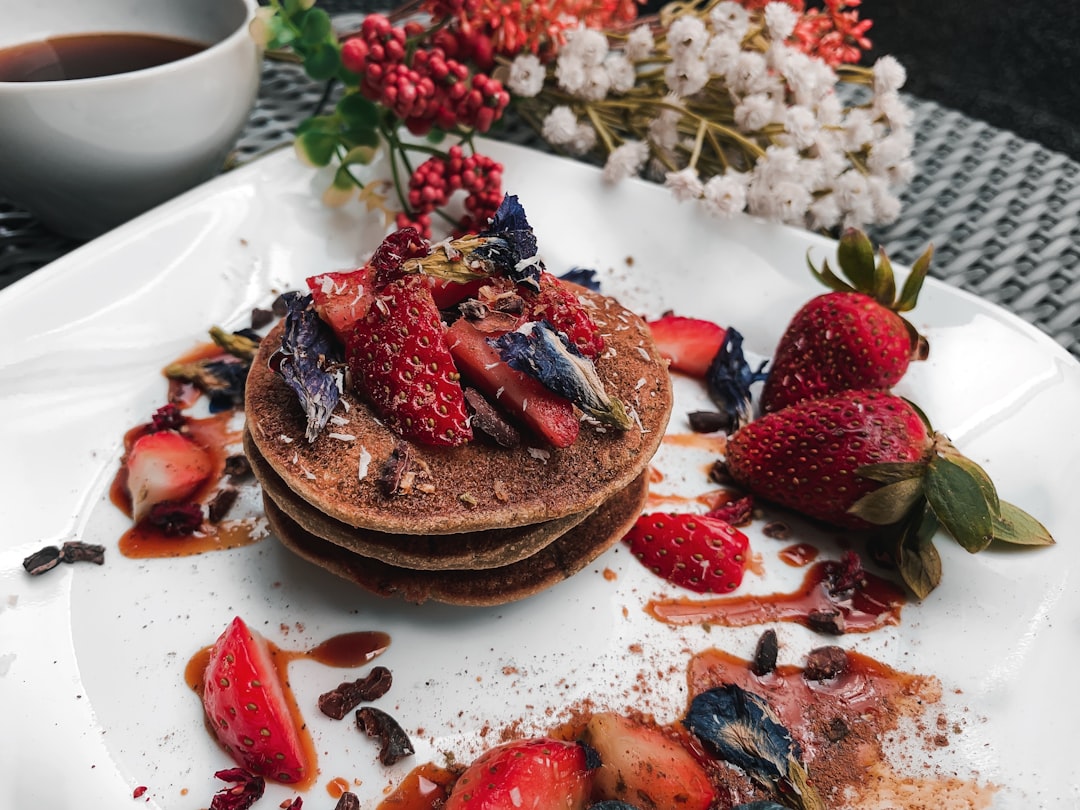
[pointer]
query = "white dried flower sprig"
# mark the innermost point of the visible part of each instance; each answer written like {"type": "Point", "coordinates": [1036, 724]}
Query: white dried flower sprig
{"type": "Point", "coordinates": [720, 103]}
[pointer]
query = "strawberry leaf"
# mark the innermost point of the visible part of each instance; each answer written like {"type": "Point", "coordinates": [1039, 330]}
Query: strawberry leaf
{"type": "Point", "coordinates": [884, 281]}
{"type": "Point", "coordinates": [855, 253]}
{"type": "Point", "coordinates": [957, 499]}
{"type": "Point", "coordinates": [989, 491]}
{"type": "Point", "coordinates": [1014, 525]}
{"type": "Point", "coordinates": [916, 558]}
{"type": "Point", "coordinates": [827, 277]}
{"type": "Point", "coordinates": [913, 284]}
{"type": "Point", "coordinates": [888, 504]}
{"type": "Point", "coordinates": [892, 471]}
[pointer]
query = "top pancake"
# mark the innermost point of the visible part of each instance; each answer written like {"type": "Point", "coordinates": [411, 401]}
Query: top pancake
{"type": "Point", "coordinates": [477, 486]}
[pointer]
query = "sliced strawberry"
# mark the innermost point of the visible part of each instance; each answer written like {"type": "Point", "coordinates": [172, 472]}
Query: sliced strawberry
{"type": "Point", "coordinates": [342, 298]}
{"type": "Point", "coordinates": [399, 359]}
{"type": "Point", "coordinates": [689, 343]}
{"type": "Point", "coordinates": [698, 552]}
{"type": "Point", "coordinates": [644, 766]}
{"type": "Point", "coordinates": [248, 709]}
{"type": "Point", "coordinates": [164, 466]}
{"type": "Point", "coordinates": [523, 398]}
{"type": "Point", "coordinates": [447, 293]}
{"type": "Point", "coordinates": [559, 305]}
{"type": "Point", "coordinates": [535, 774]}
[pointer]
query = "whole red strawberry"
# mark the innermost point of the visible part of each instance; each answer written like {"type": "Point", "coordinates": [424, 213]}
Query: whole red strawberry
{"type": "Point", "coordinates": [398, 357]}
{"type": "Point", "coordinates": [867, 458]}
{"type": "Point", "coordinates": [698, 552]}
{"type": "Point", "coordinates": [557, 303]}
{"type": "Point", "coordinates": [851, 338]}
{"type": "Point", "coordinates": [806, 456]}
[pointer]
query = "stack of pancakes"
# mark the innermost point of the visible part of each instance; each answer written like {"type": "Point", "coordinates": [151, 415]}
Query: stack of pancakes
{"type": "Point", "coordinates": [478, 524]}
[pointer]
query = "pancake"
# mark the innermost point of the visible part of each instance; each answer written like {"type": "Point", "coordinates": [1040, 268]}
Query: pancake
{"type": "Point", "coordinates": [557, 561]}
{"type": "Point", "coordinates": [436, 552]}
{"type": "Point", "coordinates": [478, 486]}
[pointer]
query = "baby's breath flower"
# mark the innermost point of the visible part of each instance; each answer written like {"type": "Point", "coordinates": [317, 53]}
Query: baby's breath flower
{"type": "Point", "coordinates": [824, 213]}
{"type": "Point", "coordinates": [858, 128]}
{"type": "Point", "coordinates": [640, 44]}
{"type": "Point", "coordinates": [625, 160]}
{"type": "Point", "coordinates": [720, 54]}
{"type": "Point", "coordinates": [526, 76]}
{"type": "Point", "coordinates": [889, 75]}
{"type": "Point", "coordinates": [747, 72]}
{"type": "Point", "coordinates": [731, 18]}
{"type": "Point", "coordinates": [597, 83]}
{"type": "Point", "coordinates": [571, 72]}
{"type": "Point", "coordinates": [560, 126]}
{"type": "Point", "coordinates": [684, 184]}
{"type": "Point", "coordinates": [724, 195]}
{"type": "Point", "coordinates": [854, 198]}
{"type": "Point", "coordinates": [687, 37]}
{"type": "Point", "coordinates": [895, 112]}
{"type": "Point", "coordinates": [800, 126]}
{"type": "Point", "coordinates": [622, 73]}
{"type": "Point", "coordinates": [664, 130]}
{"type": "Point", "coordinates": [686, 77]}
{"type": "Point", "coordinates": [583, 141]}
{"type": "Point", "coordinates": [780, 20]}
{"type": "Point", "coordinates": [886, 204]}
{"type": "Point", "coordinates": [755, 112]}
{"type": "Point", "coordinates": [587, 44]}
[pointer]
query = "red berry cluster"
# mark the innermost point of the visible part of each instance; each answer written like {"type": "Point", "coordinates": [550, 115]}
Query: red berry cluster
{"type": "Point", "coordinates": [434, 180]}
{"type": "Point", "coordinates": [423, 87]}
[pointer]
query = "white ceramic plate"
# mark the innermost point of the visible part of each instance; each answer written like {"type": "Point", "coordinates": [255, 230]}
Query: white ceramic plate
{"type": "Point", "coordinates": [92, 697]}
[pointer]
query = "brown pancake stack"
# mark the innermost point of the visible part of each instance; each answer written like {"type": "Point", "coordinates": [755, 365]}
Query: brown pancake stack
{"type": "Point", "coordinates": [478, 524]}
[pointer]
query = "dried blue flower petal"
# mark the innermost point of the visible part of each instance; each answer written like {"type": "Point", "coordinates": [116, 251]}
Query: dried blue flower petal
{"type": "Point", "coordinates": [582, 276]}
{"type": "Point", "coordinates": [307, 347]}
{"type": "Point", "coordinates": [729, 378]}
{"type": "Point", "coordinates": [541, 351]}
{"type": "Point", "coordinates": [740, 727]}
{"type": "Point", "coordinates": [508, 245]}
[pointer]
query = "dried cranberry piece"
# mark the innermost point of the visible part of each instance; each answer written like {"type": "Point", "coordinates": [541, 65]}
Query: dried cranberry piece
{"type": "Point", "coordinates": [176, 519]}
{"type": "Point", "coordinates": [247, 789]}
{"type": "Point", "coordinates": [167, 417]}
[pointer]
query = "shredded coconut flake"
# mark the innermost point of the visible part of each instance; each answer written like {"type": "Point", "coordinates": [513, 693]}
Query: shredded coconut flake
{"type": "Point", "coordinates": [640, 384]}
{"type": "Point", "coordinates": [343, 437]}
{"type": "Point", "coordinates": [338, 420]}
{"type": "Point", "coordinates": [644, 354]}
{"type": "Point", "coordinates": [365, 461]}
{"type": "Point", "coordinates": [537, 453]}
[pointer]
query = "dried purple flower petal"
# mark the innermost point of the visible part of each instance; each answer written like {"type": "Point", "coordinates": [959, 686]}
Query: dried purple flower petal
{"type": "Point", "coordinates": [307, 348]}
{"type": "Point", "coordinates": [583, 277]}
{"type": "Point", "coordinates": [541, 351]}
{"type": "Point", "coordinates": [508, 245]}
{"type": "Point", "coordinates": [729, 378]}
{"type": "Point", "coordinates": [247, 789]}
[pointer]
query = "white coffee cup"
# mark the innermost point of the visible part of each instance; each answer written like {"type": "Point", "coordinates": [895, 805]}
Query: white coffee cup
{"type": "Point", "coordinates": [85, 155]}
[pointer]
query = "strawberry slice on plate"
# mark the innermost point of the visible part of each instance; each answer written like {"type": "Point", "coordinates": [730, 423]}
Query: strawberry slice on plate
{"type": "Point", "coordinates": [689, 343]}
{"type": "Point", "coordinates": [165, 466]}
{"type": "Point", "coordinates": [534, 774]}
{"type": "Point", "coordinates": [247, 707]}
{"type": "Point", "coordinates": [342, 298]}
{"type": "Point", "coordinates": [645, 767]}
{"type": "Point", "coordinates": [698, 552]}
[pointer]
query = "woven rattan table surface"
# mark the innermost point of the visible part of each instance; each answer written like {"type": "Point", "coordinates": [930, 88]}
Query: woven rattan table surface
{"type": "Point", "coordinates": [1003, 213]}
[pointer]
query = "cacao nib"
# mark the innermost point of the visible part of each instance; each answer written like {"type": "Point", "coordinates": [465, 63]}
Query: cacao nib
{"type": "Point", "coordinates": [237, 466]}
{"type": "Point", "coordinates": [830, 622]}
{"type": "Point", "coordinates": [708, 421]}
{"type": "Point", "coordinates": [41, 561]}
{"type": "Point", "coordinates": [836, 729]}
{"type": "Point", "coordinates": [261, 317]}
{"type": "Point", "coordinates": [393, 741]}
{"type": "Point", "coordinates": [776, 530]}
{"type": "Point", "coordinates": [765, 653]}
{"type": "Point", "coordinates": [221, 503]}
{"type": "Point", "coordinates": [348, 801]}
{"type": "Point", "coordinates": [74, 551]}
{"type": "Point", "coordinates": [348, 695]}
{"type": "Point", "coordinates": [402, 474]}
{"type": "Point", "coordinates": [489, 421]}
{"type": "Point", "coordinates": [718, 473]}
{"type": "Point", "coordinates": [825, 663]}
